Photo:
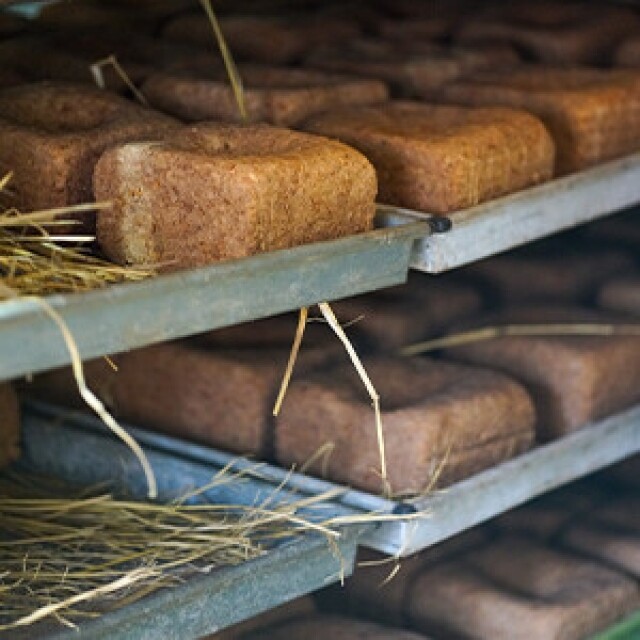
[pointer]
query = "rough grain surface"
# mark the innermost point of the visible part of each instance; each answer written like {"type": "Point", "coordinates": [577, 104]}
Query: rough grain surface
{"type": "Point", "coordinates": [573, 379]}
{"type": "Point", "coordinates": [443, 158]}
{"type": "Point", "coordinates": [517, 590]}
{"type": "Point", "coordinates": [52, 134]}
{"type": "Point", "coordinates": [223, 398]}
{"type": "Point", "coordinates": [274, 95]}
{"type": "Point", "coordinates": [593, 115]}
{"type": "Point", "coordinates": [9, 424]}
{"type": "Point", "coordinates": [438, 418]}
{"type": "Point", "coordinates": [219, 192]}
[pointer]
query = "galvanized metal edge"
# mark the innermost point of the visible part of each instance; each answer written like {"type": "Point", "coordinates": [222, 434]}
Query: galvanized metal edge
{"type": "Point", "coordinates": [512, 483]}
{"type": "Point", "coordinates": [126, 316]}
{"type": "Point", "coordinates": [457, 508]}
{"type": "Point", "coordinates": [504, 223]}
{"type": "Point", "coordinates": [204, 604]}
{"type": "Point", "coordinates": [78, 452]}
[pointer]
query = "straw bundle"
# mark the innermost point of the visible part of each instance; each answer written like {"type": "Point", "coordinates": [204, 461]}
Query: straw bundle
{"type": "Point", "coordinates": [68, 556]}
{"type": "Point", "coordinates": [36, 261]}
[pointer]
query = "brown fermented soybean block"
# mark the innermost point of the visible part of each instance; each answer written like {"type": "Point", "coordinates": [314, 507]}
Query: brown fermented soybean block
{"type": "Point", "coordinates": [438, 417]}
{"type": "Point", "coordinates": [222, 398]}
{"type": "Point", "coordinates": [556, 33]}
{"type": "Point", "coordinates": [412, 69]}
{"type": "Point", "coordinates": [52, 134]}
{"type": "Point", "coordinates": [9, 424]}
{"type": "Point", "coordinates": [218, 192]}
{"type": "Point", "coordinates": [335, 627]}
{"type": "Point", "coordinates": [371, 594]}
{"type": "Point", "coordinates": [628, 53]}
{"type": "Point", "coordinates": [573, 379]}
{"type": "Point", "coordinates": [567, 275]}
{"type": "Point", "coordinates": [274, 40]}
{"type": "Point", "coordinates": [593, 115]}
{"type": "Point", "coordinates": [614, 547]}
{"type": "Point", "coordinates": [443, 158]}
{"type": "Point", "coordinates": [621, 295]}
{"type": "Point", "coordinates": [275, 95]}
{"type": "Point", "coordinates": [517, 590]}
{"type": "Point", "coordinates": [398, 316]}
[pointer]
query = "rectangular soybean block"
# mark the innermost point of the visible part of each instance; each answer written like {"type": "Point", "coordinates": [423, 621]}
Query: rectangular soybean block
{"type": "Point", "coordinates": [219, 192]}
{"type": "Point", "coordinates": [275, 95]}
{"type": "Point", "coordinates": [573, 380]}
{"type": "Point", "coordinates": [223, 398]}
{"type": "Point", "coordinates": [395, 317]}
{"type": "Point", "coordinates": [443, 158]}
{"type": "Point", "coordinates": [440, 420]}
{"type": "Point", "coordinates": [593, 115]}
{"type": "Point", "coordinates": [457, 599]}
{"type": "Point", "coordinates": [53, 133]}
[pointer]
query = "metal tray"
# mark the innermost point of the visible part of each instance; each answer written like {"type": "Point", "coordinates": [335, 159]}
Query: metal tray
{"type": "Point", "coordinates": [504, 223]}
{"type": "Point", "coordinates": [447, 512]}
{"type": "Point", "coordinates": [126, 316]}
{"type": "Point", "coordinates": [81, 453]}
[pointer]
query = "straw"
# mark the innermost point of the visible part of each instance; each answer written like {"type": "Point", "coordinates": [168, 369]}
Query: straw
{"type": "Point", "coordinates": [327, 312]}
{"type": "Point", "coordinates": [293, 355]}
{"type": "Point", "coordinates": [229, 64]}
{"type": "Point", "coordinates": [522, 330]}
{"type": "Point", "coordinates": [112, 61]}
{"type": "Point", "coordinates": [72, 554]}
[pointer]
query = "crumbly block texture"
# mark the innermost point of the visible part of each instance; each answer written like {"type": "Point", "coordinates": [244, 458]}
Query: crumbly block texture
{"type": "Point", "coordinates": [52, 134]}
{"type": "Point", "coordinates": [443, 158]}
{"type": "Point", "coordinates": [573, 379]}
{"type": "Point", "coordinates": [398, 316]}
{"type": "Point", "coordinates": [616, 548]}
{"type": "Point", "coordinates": [593, 115]}
{"type": "Point", "coordinates": [279, 96]}
{"type": "Point", "coordinates": [336, 627]}
{"type": "Point", "coordinates": [219, 192]}
{"type": "Point", "coordinates": [220, 398]}
{"type": "Point", "coordinates": [516, 590]}
{"type": "Point", "coordinates": [621, 295]}
{"type": "Point", "coordinates": [439, 418]}
{"type": "Point", "coordinates": [9, 425]}
{"type": "Point", "coordinates": [628, 53]}
{"type": "Point", "coordinates": [563, 276]}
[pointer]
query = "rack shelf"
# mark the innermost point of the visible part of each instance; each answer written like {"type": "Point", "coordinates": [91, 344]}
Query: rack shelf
{"type": "Point", "coordinates": [505, 223]}
{"type": "Point", "coordinates": [127, 316]}
{"type": "Point", "coordinates": [82, 453]}
{"type": "Point", "coordinates": [447, 512]}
